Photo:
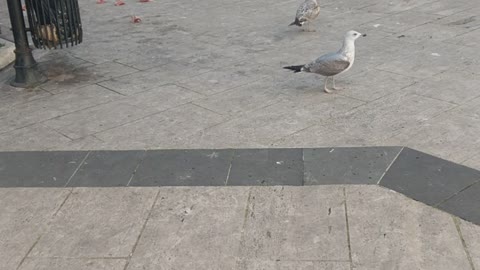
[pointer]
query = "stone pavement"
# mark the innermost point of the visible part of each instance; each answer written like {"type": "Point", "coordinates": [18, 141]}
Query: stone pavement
{"type": "Point", "coordinates": [207, 74]}
{"type": "Point", "coordinates": [439, 183]}
{"type": "Point", "coordinates": [322, 227]}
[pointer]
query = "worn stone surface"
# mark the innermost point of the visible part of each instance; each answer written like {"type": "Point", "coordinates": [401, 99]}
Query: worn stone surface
{"type": "Point", "coordinates": [471, 234]}
{"type": "Point", "coordinates": [72, 264]}
{"type": "Point", "coordinates": [347, 165]}
{"type": "Point", "coordinates": [419, 60]}
{"type": "Point", "coordinates": [24, 216]}
{"type": "Point", "coordinates": [252, 167]}
{"type": "Point", "coordinates": [427, 178]}
{"type": "Point", "coordinates": [38, 169]}
{"type": "Point", "coordinates": [97, 223]}
{"type": "Point", "coordinates": [388, 230]}
{"type": "Point", "coordinates": [107, 168]}
{"type": "Point", "coordinates": [183, 168]}
{"type": "Point", "coordinates": [193, 228]}
{"type": "Point", "coordinates": [294, 223]}
{"type": "Point", "coordinates": [269, 228]}
{"type": "Point", "coordinates": [464, 204]}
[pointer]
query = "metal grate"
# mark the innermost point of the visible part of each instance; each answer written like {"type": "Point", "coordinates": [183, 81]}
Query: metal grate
{"type": "Point", "coordinates": [54, 23]}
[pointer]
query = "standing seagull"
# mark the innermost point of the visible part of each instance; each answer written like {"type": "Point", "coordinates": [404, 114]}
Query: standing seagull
{"type": "Point", "coordinates": [332, 64]}
{"type": "Point", "coordinates": [306, 12]}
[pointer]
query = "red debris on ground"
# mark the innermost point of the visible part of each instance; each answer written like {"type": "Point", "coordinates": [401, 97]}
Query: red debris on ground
{"type": "Point", "coordinates": [144, 1]}
{"type": "Point", "coordinates": [136, 19]}
{"type": "Point", "coordinates": [101, 2]}
{"type": "Point", "coordinates": [119, 3]}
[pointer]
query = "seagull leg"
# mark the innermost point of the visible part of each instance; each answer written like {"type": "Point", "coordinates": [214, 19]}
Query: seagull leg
{"type": "Point", "coordinates": [325, 86]}
{"type": "Point", "coordinates": [334, 87]}
{"type": "Point", "coordinates": [308, 26]}
{"type": "Point", "coordinates": [305, 28]}
{"type": "Point", "coordinates": [311, 29]}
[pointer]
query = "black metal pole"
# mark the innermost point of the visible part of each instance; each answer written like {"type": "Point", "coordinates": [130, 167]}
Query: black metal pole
{"type": "Point", "coordinates": [26, 73]}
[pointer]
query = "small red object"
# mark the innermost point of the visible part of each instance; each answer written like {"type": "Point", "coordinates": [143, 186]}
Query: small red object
{"type": "Point", "coordinates": [100, 1]}
{"type": "Point", "coordinates": [24, 8]}
{"type": "Point", "coordinates": [144, 1]}
{"type": "Point", "coordinates": [119, 3]}
{"type": "Point", "coordinates": [136, 19]}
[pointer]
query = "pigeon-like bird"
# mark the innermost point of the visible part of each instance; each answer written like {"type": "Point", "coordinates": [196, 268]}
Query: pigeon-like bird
{"type": "Point", "coordinates": [332, 64]}
{"type": "Point", "coordinates": [306, 13]}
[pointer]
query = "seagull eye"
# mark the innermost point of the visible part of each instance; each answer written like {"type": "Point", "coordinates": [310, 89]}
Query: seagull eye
{"type": "Point", "coordinates": [355, 34]}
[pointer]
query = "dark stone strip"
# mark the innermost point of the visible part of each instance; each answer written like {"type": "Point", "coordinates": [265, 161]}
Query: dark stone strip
{"type": "Point", "coordinates": [426, 178]}
{"type": "Point", "coordinates": [434, 181]}
{"type": "Point", "coordinates": [362, 165]}
{"type": "Point", "coordinates": [465, 204]}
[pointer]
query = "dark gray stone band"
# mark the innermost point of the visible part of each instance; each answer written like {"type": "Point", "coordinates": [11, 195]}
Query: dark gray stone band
{"type": "Point", "coordinates": [434, 181]}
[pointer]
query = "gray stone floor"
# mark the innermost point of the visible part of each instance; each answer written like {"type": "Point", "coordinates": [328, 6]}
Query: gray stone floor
{"type": "Point", "coordinates": [207, 74]}
{"type": "Point", "coordinates": [321, 228]}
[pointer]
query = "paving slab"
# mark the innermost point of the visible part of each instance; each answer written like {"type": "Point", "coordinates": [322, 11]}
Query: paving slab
{"type": "Point", "coordinates": [426, 178]}
{"type": "Point", "coordinates": [471, 234]}
{"type": "Point", "coordinates": [396, 7]}
{"type": "Point", "coordinates": [72, 264]}
{"type": "Point", "coordinates": [183, 168]}
{"type": "Point", "coordinates": [473, 162]}
{"type": "Point", "coordinates": [450, 135]}
{"type": "Point", "coordinates": [239, 100]}
{"type": "Point", "coordinates": [24, 215]}
{"type": "Point", "coordinates": [318, 136]}
{"type": "Point", "coordinates": [47, 108]}
{"type": "Point", "coordinates": [467, 39]}
{"type": "Point", "coordinates": [153, 78]}
{"type": "Point", "coordinates": [125, 110]}
{"type": "Point", "coordinates": [464, 204]}
{"type": "Point", "coordinates": [107, 169]}
{"type": "Point", "coordinates": [373, 84]}
{"type": "Point", "coordinates": [381, 119]}
{"type": "Point", "coordinates": [284, 118]}
{"type": "Point", "coordinates": [228, 77]}
{"type": "Point", "coordinates": [338, 165]}
{"type": "Point", "coordinates": [445, 87]}
{"type": "Point", "coordinates": [251, 167]}
{"type": "Point", "coordinates": [170, 129]}
{"type": "Point", "coordinates": [294, 223]}
{"type": "Point", "coordinates": [390, 231]}
{"type": "Point", "coordinates": [292, 265]}
{"type": "Point", "coordinates": [83, 226]}
{"type": "Point", "coordinates": [404, 20]}
{"type": "Point", "coordinates": [83, 76]}
{"type": "Point", "coordinates": [192, 228]}
{"type": "Point", "coordinates": [38, 169]}
{"type": "Point", "coordinates": [36, 137]}
{"type": "Point", "coordinates": [444, 8]}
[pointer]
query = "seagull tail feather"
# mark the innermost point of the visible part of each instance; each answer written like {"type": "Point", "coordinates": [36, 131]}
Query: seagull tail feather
{"type": "Point", "coordinates": [296, 22]}
{"type": "Point", "coordinates": [295, 69]}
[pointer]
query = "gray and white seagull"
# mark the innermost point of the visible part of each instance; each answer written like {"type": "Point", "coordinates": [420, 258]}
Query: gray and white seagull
{"type": "Point", "coordinates": [306, 13]}
{"type": "Point", "coordinates": [332, 64]}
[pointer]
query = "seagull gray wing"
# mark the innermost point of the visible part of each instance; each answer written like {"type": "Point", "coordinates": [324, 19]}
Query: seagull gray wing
{"type": "Point", "coordinates": [328, 65]}
{"type": "Point", "coordinates": [307, 11]}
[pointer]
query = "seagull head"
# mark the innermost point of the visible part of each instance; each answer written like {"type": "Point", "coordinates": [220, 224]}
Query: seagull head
{"type": "Point", "coordinates": [353, 35]}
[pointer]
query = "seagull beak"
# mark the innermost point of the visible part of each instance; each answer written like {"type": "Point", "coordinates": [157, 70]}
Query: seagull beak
{"type": "Point", "coordinates": [364, 35]}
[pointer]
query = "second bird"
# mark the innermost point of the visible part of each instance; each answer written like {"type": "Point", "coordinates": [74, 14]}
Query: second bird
{"type": "Point", "coordinates": [306, 13]}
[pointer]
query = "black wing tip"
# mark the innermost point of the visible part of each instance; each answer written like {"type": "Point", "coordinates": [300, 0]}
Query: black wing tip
{"type": "Point", "coordinates": [296, 22]}
{"type": "Point", "coordinates": [295, 69]}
